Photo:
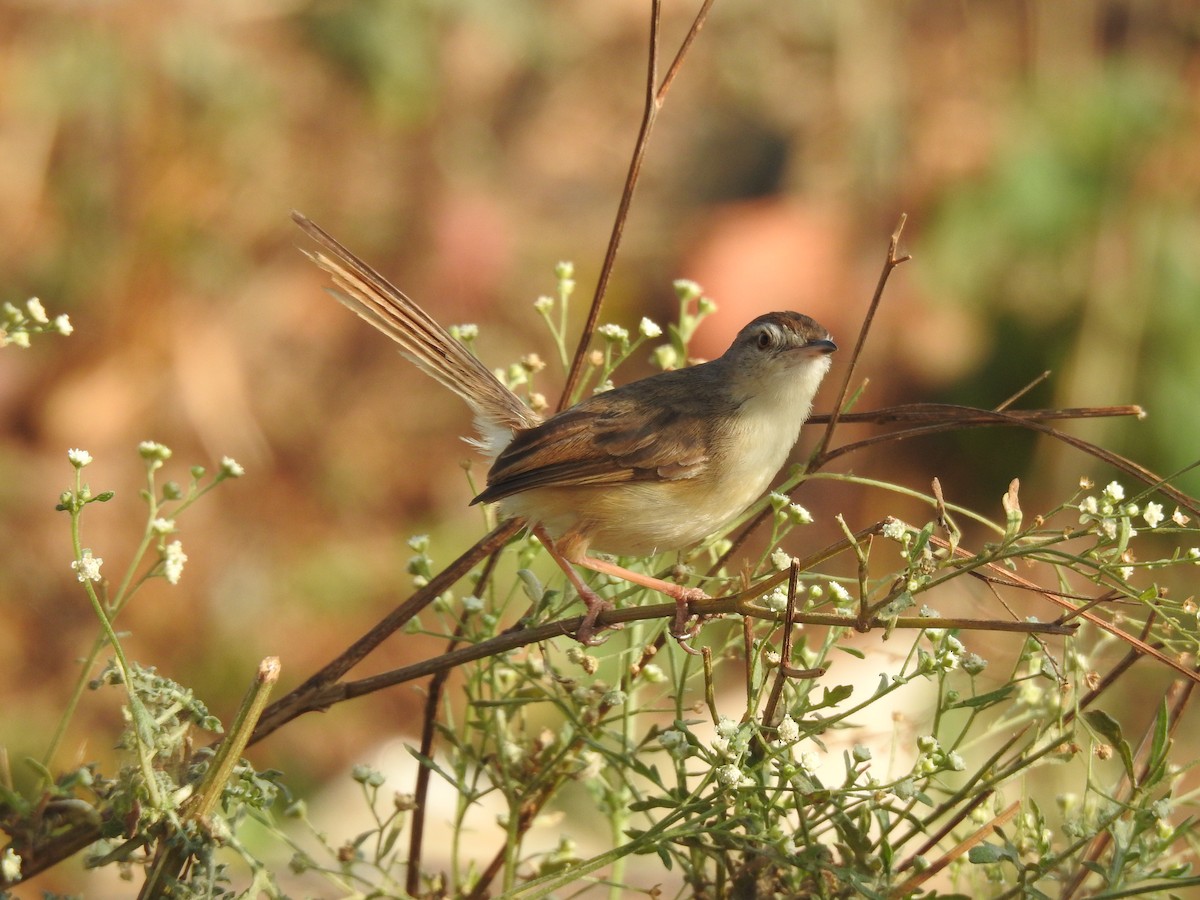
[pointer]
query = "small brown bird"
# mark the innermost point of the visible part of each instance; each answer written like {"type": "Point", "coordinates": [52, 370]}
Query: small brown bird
{"type": "Point", "coordinates": [654, 465]}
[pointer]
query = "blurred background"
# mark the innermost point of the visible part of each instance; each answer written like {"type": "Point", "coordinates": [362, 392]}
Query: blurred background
{"type": "Point", "coordinates": [1047, 155]}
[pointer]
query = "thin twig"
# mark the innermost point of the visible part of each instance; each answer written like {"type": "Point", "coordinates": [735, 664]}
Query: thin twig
{"type": "Point", "coordinates": [649, 114]}
{"type": "Point", "coordinates": [301, 699]}
{"type": "Point", "coordinates": [655, 97]}
{"type": "Point", "coordinates": [889, 264]}
{"type": "Point", "coordinates": [416, 838]}
{"type": "Point", "coordinates": [1014, 580]}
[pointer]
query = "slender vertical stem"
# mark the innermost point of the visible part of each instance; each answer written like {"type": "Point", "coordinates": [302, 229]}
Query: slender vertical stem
{"type": "Point", "coordinates": [890, 263]}
{"type": "Point", "coordinates": [655, 96]}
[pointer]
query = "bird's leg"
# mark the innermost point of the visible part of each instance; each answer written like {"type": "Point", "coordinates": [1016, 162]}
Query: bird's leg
{"type": "Point", "coordinates": [596, 605]}
{"type": "Point", "coordinates": [677, 592]}
{"type": "Point", "coordinates": [594, 602]}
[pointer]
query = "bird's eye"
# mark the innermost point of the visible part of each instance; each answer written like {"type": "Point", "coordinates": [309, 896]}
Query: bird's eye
{"type": "Point", "coordinates": [764, 340]}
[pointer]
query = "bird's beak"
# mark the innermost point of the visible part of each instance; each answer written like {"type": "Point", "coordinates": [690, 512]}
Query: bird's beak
{"type": "Point", "coordinates": [822, 346]}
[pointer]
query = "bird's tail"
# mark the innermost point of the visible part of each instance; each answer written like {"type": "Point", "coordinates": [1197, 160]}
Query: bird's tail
{"type": "Point", "coordinates": [498, 411]}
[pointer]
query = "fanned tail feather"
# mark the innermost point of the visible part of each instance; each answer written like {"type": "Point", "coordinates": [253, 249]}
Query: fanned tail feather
{"type": "Point", "coordinates": [498, 411]}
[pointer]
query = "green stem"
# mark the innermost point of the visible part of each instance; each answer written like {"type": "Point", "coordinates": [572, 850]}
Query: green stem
{"type": "Point", "coordinates": [143, 725]}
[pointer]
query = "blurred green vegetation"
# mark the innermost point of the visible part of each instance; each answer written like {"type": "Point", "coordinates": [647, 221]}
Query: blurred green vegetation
{"type": "Point", "coordinates": [1048, 156]}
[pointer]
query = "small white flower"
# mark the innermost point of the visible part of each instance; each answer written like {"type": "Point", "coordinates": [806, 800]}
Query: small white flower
{"type": "Point", "coordinates": [781, 559]}
{"type": "Point", "coordinates": [776, 601]}
{"type": "Point", "coordinates": [895, 529]}
{"type": "Point", "coordinates": [671, 737]}
{"type": "Point", "coordinates": [87, 568]}
{"type": "Point", "coordinates": [1126, 572]}
{"type": "Point", "coordinates": [789, 731]}
{"type": "Point", "coordinates": [37, 312]}
{"type": "Point", "coordinates": [647, 328]}
{"type": "Point", "coordinates": [173, 560]}
{"type": "Point", "coordinates": [956, 762]}
{"type": "Point", "coordinates": [10, 866]}
{"type": "Point", "coordinates": [666, 358]}
{"type": "Point", "coordinates": [728, 775]}
{"type": "Point", "coordinates": [799, 515]}
{"type": "Point", "coordinates": [62, 324]}
{"type": "Point", "coordinates": [973, 663]}
{"type": "Point", "coordinates": [162, 526]}
{"type": "Point", "coordinates": [465, 333]}
{"type": "Point", "coordinates": [1153, 514]}
{"type": "Point", "coordinates": [727, 727]}
{"type": "Point", "coordinates": [653, 673]}
{"type": "Point", "coordinates": [1089, 506]}
{"type": "Point", "coordinates": [231, 468]}
{"type": "Point", "coordinates": [947, 661]}
{"type": "Point", "coordinates": [1114, 491]}
{"type": "Point", "coordinates": [154, 450]}
{"type": "Point", "coordinates": [79, 458]}
{"type": "Point", "coordinates": [543, 304]}
{"type": "Point", "coordinates": [686, 289]}
{"type": "Point", "coordinates": [564, 269]}
{"type": "Point", "coordinates": [675, 742]}
{"type": "Point", "coordinates": [1108, 528]}
{"type": "Point", "coordinates": [613, 333]}
{"type": "Point", "coordinates": [809, 761]}
{"type": "Point", "coordinates": [471, 604]}
{"type": "Point", "coordinates": [1194, 554]}
{"type": "Point", "coordinates": [840, 594]}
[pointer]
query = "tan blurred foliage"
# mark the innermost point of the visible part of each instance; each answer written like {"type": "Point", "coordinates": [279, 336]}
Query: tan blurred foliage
{"type": "Point", "coordinates": [1048, 156]}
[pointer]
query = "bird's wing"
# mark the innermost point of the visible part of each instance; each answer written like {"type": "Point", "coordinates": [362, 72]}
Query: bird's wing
{"type": "Point", "coordinates": [611, 438]}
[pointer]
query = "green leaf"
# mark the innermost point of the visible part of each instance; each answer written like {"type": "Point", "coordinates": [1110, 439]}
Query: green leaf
{"type": "Point", "coordinates": [982, 854]}
{"type": "Point", "coordinates": [982, 701]}
{"type": "Point", "coordinates": [532, 586]}
{"type": "Point", "coordinates": [919, 544]}
{"type": "Point", "coordinates": [1160, 743]}
{"type": "Point", "coordinates": [835, 695]}
{"type": "Point", "coordinates": [652, 803]}
{"type": "Point", "coordinates": [1110, 729]}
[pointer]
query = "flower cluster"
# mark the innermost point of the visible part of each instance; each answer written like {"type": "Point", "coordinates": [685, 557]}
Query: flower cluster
{"type": "Point", "coordinates": [933, 759]}
{"type": "Point", "coordinates": [17, 324]}
{"type": "Point", "coordinates": [87, 567]}
{"type": "Point", "coordinates": [1115, 523]}
{"type": "Point", "coordinates": [787, 511]}
{"type": "Point", "coordinates": [948, 652]}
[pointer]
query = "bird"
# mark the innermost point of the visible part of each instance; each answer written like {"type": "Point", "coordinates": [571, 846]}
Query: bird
{"type": "Point", "coordinates": [655, 465]}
